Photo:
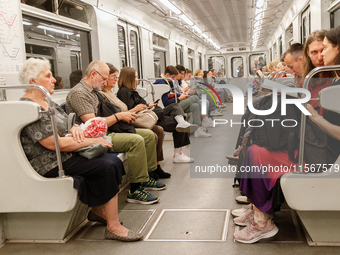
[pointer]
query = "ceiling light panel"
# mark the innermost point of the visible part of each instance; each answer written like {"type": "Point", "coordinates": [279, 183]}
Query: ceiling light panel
{"type": "Point", "coordinates": [170, 6]}
{"type": "Point", "coordinates": [186, 20]}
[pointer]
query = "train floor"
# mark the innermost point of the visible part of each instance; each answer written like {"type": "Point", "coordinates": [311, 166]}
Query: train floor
{"type": "Point", "coordinates": [193, 215]}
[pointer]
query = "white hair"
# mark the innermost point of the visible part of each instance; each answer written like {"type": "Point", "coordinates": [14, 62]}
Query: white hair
{"type": "Point", "coordinates": [96, 65]}
{"type": "Point", "coordinates": [31, 68]}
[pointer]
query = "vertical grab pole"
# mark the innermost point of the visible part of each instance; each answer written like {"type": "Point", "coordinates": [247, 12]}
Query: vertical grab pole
{"type": "Point", "coordinates": [152, 89]}
{"type": "Point", "coordinates": [51, 113]}
{"type": "Point", "coordinates": [303, 117]}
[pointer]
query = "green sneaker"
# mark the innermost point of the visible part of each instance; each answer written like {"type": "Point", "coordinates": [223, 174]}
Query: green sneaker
{"type": "Point", "coordinates": [140, 196]}
{"type": "Point", "coordinates": [153, 185]}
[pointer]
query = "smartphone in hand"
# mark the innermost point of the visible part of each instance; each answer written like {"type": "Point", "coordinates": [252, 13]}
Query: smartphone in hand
{"type": "Point", "coordinates": [156, 101]}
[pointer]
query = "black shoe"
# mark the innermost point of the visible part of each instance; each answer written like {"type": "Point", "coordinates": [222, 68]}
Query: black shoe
{"type": "Point", "coordinates": [161, 173]}
{"type": "Point", "coordinates": [154, 175]}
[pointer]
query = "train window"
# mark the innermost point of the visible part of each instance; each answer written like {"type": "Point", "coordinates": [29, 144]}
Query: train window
{"type": "Point", "coordinates": [200, 61]}
{"type": "Point", "coordinates": [66, 48]}
{"type": "Point", "coordinates": [289, 35]}
{"type": "Point", "coordinates": [134, 51]}
{"type": "Point", "coordinates": [275, 56]}
{"type": "Point", "coordinates": [280, 46]}
{"type": "Point", "coordinates": [179, 54]}
{"type": "Point", "coordinates": [336, 18]}
{"type": "Point", "coordinates": [271, 54]}
{"type": "Point", "coordinates": [70, 9]}
{"type": "Point", "coordinates": [216, 62]}
{"type": "Point", "coordinates": [191, 59]}
{"type": "Point", "coordinates": [159, 41]}
{"type": "Point", "coordinates": [256, 62]}
{"type": "Point", "coordinates": [122, 46]}
{"type": "Point", "coordinates": [237, 70]}
{"type": "Point", "coordinates": [43, 5]}
{"type": "Point", "coordinates": [305, 18]}
{"type": "Point", "coordinates": [159, 54]}
{"type": "Point", "coordinates": [75, 60]}
{"type": "Point", "coordinates": [159, 62]}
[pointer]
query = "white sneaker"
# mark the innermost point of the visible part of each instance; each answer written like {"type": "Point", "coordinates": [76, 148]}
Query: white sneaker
{"type": "Point", "coordinates": [208, 123]}
{"type": "Point", "coordinates": [241, 211]}
{"type": "Point", "coordinates": [182, 158]}
{"type": "Point", "coordinates": [186, 127]}
{"type": "Point", "coordinates": [200, 132]}
{"type": "Point", "coordinates": [242, 200]}
{"type": "Point", "coordinates": [216, 112]}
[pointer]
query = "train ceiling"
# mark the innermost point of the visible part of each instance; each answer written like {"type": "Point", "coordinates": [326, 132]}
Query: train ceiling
{"type": "Point", "coordinates": [228, 23]}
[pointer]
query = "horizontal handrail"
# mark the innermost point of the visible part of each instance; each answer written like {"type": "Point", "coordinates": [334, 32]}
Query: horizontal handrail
{"type": "Point", "coordinates": [165, 79]}
{"type": "Point", "coordinates": [303, 117]}
{"type": "Point", "coordinates": [278, 73]}
{"type": "Point", "coordinates": [51, 112]}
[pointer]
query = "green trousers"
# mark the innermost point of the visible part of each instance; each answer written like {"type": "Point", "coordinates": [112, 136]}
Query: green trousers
{"type": "Point", "coordinates": [141, 152]}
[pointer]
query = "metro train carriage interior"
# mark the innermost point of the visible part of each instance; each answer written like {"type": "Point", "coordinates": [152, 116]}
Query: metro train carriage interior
{"type": "Point", "coordinates": [246, 126]}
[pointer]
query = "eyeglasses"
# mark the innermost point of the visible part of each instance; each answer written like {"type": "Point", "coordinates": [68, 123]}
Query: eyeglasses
{"type": "Point", "coordinates": [113, 77]}
{"type": "Point", "coordinates": [104, 79]}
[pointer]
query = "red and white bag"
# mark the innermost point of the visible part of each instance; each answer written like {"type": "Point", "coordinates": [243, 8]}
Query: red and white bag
{"type": "Point", "coordinates": [95, 127]}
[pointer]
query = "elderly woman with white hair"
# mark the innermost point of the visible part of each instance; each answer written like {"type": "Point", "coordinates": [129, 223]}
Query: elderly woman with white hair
{"type": "Point", "coordinates": [96, 179]}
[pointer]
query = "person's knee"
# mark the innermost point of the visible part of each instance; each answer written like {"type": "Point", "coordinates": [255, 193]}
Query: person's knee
{"type": "Point", "coordinates": [136, 140]}
{"type": "Point", "coordinates": [194, 107]}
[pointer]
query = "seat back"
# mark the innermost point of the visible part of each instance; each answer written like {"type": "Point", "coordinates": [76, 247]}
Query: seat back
{"type": "Point", "coordinates": [22, 189]}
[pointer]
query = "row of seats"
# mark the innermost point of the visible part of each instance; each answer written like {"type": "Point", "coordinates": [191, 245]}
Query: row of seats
{"type": "Point", "coordinates": [54, 213]}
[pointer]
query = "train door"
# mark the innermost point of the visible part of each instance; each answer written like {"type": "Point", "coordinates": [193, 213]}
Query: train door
{"type": "Point", "coordinates": [129, 46]}
{"type": "Point", "coordinates": [199, 61]}
{"type": "Point", "coordinates": [159, 54]}
{"type": "Point", "coordinates": [305, 23]}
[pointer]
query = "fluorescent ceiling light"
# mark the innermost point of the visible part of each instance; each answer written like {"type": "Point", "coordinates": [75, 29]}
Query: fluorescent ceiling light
{"type": "Point", "coordinates": [205, 36]}
{"type": "Point", "coordinates": [55, 30]}
{"type": "Point", "coordinates": [186, 19]}
{"type": "Point", "coordinates": [26, 23]}
{"type": "Point", "coordinates": [197, 29]}
{"type": "Point", "coordinates": [209, 40]}
{"type": "Point", "coordinates": [170, 6]}
{"type": "Point", "coordinates": [259, 3]}
{"type": "Point", "coordinates": [257, 23]}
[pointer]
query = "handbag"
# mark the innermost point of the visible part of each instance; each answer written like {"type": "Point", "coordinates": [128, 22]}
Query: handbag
{"type": "Point", "coordinates": [145, 119]}
{"type": "Point", "coordinates": [106, 109]}
{"type": "Point", "coordinates": [94, 150]}
{"type": "Point", "coordinates": [159, 112]}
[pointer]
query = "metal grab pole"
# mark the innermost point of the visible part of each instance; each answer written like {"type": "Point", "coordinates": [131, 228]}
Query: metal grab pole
{"type": "Point", "coordinates": [166, 79]}
{"type": "Point", "coordinates": [51, 112]}
{"type": "Point", "coordinates": [303, 117]}
{"type": "Point", "coordinates": [277, 74]}
{"type": "Point", "coordinates": [152, 89]}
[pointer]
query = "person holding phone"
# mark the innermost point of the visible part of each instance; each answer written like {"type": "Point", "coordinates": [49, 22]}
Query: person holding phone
{"type": "Point", "coordinates": [172, 119]}
{"type": "Point", "coordinates": [158, 130]}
